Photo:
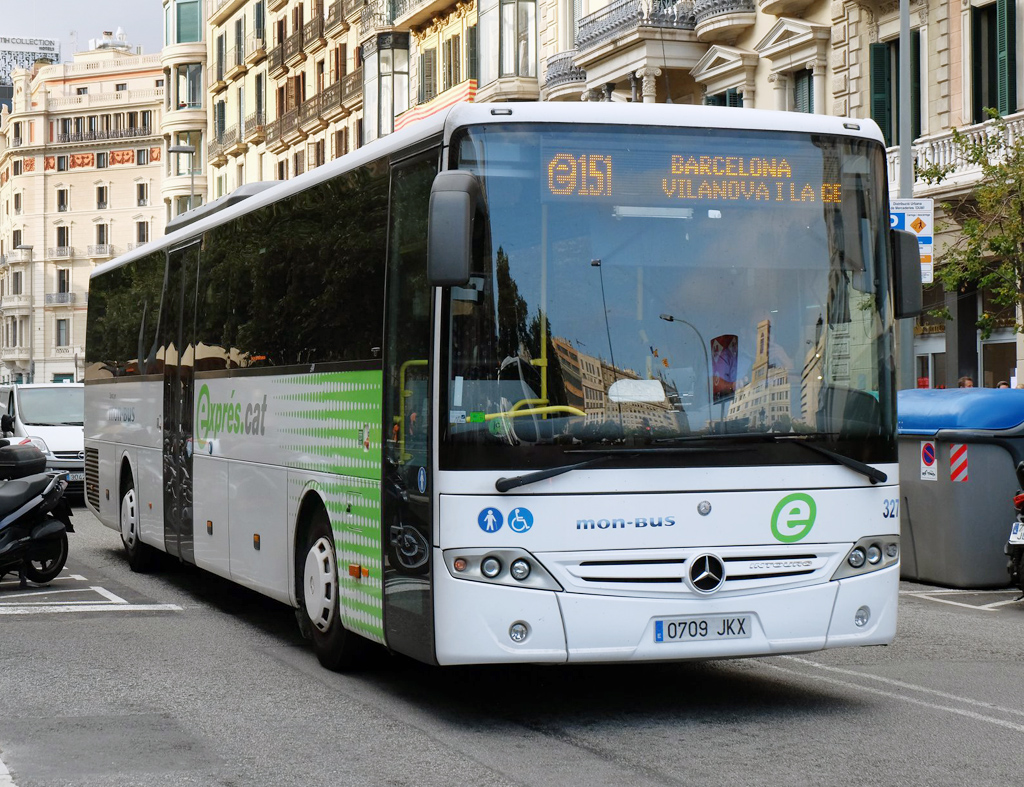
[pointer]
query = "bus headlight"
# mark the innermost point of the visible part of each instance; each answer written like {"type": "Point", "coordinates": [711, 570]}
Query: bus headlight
{"type": "Point", "coordinates": [869, 554]}
{"type": "Point", "coordinates": [488, 565]}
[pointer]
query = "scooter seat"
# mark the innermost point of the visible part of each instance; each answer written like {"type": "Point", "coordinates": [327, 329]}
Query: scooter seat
{"type": "Point", "coordinates": [18, 491]}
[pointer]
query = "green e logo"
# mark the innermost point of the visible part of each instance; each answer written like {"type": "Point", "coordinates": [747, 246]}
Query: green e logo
{"type": "Point", "coordinates": [793, 517]}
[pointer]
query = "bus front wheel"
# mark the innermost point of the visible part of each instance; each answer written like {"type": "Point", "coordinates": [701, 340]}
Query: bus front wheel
{"type": "Point", "coordinates": [336, 647]}
{"type": "Point", "coordinates": [140, 556]}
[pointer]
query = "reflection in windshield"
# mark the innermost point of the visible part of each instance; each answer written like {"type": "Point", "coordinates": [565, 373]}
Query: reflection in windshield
{"type": "Point", "coordinates": [639, 290]}
{"type": "Point", "coordinates": [52, 406]}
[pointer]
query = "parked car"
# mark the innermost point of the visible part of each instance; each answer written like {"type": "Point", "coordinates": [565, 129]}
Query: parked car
{"type": "Point", "coordinates": [49, 416]}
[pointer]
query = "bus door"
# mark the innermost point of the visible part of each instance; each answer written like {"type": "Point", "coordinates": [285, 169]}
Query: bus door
{"type": "Point", "coordinates": [178, 406]}
{"type": "Point", "coordinates": [406, 518]}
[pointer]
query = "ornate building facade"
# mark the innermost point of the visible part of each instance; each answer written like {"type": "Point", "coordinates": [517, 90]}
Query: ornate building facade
{"type": "Point", "coordinates": [81, 158]}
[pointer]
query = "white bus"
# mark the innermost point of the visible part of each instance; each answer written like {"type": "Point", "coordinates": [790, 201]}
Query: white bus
{"type": "Point", "coordinates": [526, 383]}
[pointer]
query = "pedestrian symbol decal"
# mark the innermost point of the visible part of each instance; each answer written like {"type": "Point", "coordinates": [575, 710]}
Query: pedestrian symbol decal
{"type": "Point", "coordinates": [490, 520]}
{"type": "Point", "coordinates": [520, 520]}
{"type": "Point", "coordinates": [929, 471]}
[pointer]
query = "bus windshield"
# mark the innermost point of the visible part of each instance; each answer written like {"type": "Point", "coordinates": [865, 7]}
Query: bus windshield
{"type": "Point", "coordinates": [669, 292]}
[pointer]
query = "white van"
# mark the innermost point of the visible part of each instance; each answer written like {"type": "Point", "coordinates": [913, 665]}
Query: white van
{"type": "Point", "coordinates": [50, 416]}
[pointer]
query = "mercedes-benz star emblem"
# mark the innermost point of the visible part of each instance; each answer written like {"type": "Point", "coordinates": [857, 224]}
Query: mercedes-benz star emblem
{"type": "Point", "coordinates": [707, 573]}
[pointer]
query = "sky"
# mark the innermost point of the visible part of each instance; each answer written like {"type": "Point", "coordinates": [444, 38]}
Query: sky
{"type": "Point", "coordinates": [71, 20]}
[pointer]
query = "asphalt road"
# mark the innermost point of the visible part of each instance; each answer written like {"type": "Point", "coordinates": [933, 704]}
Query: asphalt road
{"type": "Point", "coordinates": [179, 678]}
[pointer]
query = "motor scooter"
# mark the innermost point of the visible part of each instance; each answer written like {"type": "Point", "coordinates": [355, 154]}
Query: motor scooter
{"type": "Point", "coordinates": [35, 519]}
{"type": "Point", "coordinates": [1014, 548]}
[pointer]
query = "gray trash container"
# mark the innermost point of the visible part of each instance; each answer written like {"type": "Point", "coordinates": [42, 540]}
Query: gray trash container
{"type": "Point", "coordinates": [957, 451]}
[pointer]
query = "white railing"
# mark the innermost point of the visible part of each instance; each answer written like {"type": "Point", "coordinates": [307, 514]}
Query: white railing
{"type": "Point", "coordinates": [126, 63]}
{"type": "Point", "coordinates": [941, 150]}
{"type": "Point", "coordinates": [153, 94]}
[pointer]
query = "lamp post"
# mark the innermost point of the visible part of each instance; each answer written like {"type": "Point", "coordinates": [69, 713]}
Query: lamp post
{"type": "Point", "coordinates": [191, 150]}
{"type": "Point", "coordinates": [31, 311]}
{"type": "Point", "coordinates": [703, 346]}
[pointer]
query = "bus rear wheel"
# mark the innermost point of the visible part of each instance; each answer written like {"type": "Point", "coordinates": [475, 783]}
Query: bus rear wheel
{"type": "Point", "coordinates": [336, 647]}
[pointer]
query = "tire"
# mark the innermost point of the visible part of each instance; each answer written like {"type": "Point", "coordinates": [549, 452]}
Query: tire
{"type": "Point", "coordinates": [140, 556]}
{"type": "Point", "coordinates": [48, 569]}
{"type": "Point", "coordinates": [336, 647]}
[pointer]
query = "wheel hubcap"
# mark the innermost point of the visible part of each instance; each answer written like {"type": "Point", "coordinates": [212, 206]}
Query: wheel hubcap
{"type": "Point", "coordinates": [319, 584]}
{"type": "Point", "coordinates": [129, 519]}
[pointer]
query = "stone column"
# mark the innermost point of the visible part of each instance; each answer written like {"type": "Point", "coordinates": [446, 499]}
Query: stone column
{"type": "Point", "coordinates": [817, 70]}
{"type": "Point", "coordinates": [650, 88]}
{"type": "Point", "coordinates": [779, 83]}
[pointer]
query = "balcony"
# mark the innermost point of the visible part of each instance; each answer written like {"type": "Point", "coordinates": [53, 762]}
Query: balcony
{"type": "Point", "coordinates": [215, 78]}
{"type": "Point", "coordinates": [409, 13]}
{"type": "Point", "coordinates": [233, 143]}
{"type": "Point", "coordinates": [218, 156]}
{"type": "Point", "coordinates": [313, 35]}
{"type": "Point", "coordinates": [376, 15]}
{"type": "Point", "coordinates": [293, 51]}
{"type": "Point", "coordinates": [562, 71]}
{"type": "Point", "coordinates": [17, 142]}
{"type": "Point", "coordinates": [19, 301]}
{"type": "Point", "coordinates": [254, 131]}
{"type": "Point", "coordinates": [221, 10]}
{"type": "Point", "coordinates": [335, 24]}
{"type": "Point", "coordinates": [275, 62]}
{"type": "Point", "coordinates": [722, 20]}
{"type": "Point", "coordinates": [276, 5]}
{"type": "Point", "coordinates": [255, 47]}
{"type": "Point", "coordinates": [60, 252]}
{"type": "Point", "coordinates": [623, 17]}
{"type": "Point", "coordinates": [14, 353]}
{"type": "Point", "coordinates": [353, 8]}
{"type": "Point", "coordinates": [98, 136]}
{"type": "Point", "coordinates": [290, 131]}
{"type": "Point", "coordinates": [60, 298]}
{"type": "Point", "coordinates": [236, 66]}
{"type": "Point", "coordinates": [309, 116]}
{"type": "Point", "coordinates": [101, 250]}
{"type": "Point", "coordinates": [275, 143]}
{"type": "Point", "coordinates": [352, 90]}
{"type": "Point", "coordinates": [19, 255]}
{"type": "Point", "coordinates": [331, 107]}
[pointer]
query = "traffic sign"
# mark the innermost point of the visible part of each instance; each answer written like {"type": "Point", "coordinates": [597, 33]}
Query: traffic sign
{"type": "Point", "coordinates": [917, 216]}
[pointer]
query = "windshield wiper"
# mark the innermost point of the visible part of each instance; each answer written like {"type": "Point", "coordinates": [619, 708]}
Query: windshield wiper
{"type": "Point", "coordinates": [873, 474]}
{"type": "Point", "coordinates": [505, 484]}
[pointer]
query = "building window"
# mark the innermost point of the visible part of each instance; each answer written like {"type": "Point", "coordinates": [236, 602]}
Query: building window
{"type": "Point", "coordinates": [62, 338]}
{"type": "Point", "coordinates": [141, 232]}
{"type": "Point", "coordinates": [17, 166]}
{"type": "Point", "coordinates": [64, 278]}
{"type": "Point", "coordinates": [885, 87]}
{"type": "Point", "coordinates": [17, 204]}
{"type": "Point", "coordinates": [730, 98]}
{"type": "Point", "coordinates": [428, 75]}
{"type": "Point", "coordinates": [16, 239]}
{"type": "Point", "coordinates": [993, 59]}
{"type": "Point", "coordinates": [102, 234]}
{"type": "Point", "coordinates": [188, 81]}
{"type": "Point", "coordinates": [517, 27]}
{"type": "Point", "coordinates": [63, 237]}
{"type": "Point", "coordinates": [62, 200]}
{"type": "Point", "coordinates": [142, 194]}
{"type": "Point", "coordinates": [189, 24]}
{"type": "Point", "coordinates": [81, 91]}
{"type": "Point", "coordinates": [120, 87]}
{"type": "Point", "coordinates": [282, 170]}
{"type": "Point", "coordinates": [803, 91]}
{"type": "Point", "coordinates": [385, 82]}
{"type": "Point", "coordinates": [181, 161]}
{"type": "Point", "coordinates": [101, 160]}
{"type": "Point", "coordinates": [451, 62]}
{"type": "Point", "coordinates": [101, 197]}
{"type": "Point", "coordinates": [142, 156]}
{"type": "Point", "coordinates": [16, 284]}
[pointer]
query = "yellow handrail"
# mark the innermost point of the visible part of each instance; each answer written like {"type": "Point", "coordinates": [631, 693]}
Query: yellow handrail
{"type": "Point", "coordinates": [513, 413]}
{"type": "Point", "coordinates": [403, 457]}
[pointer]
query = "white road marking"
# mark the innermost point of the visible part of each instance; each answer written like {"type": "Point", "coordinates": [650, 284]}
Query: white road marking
{"type": "Point", "coordinates": [859, 687]}
{"type": "Point", "coordinates": [904, 685]}
{"type": "Point", "coordinates": [5, 776]}
{"type": "Point", "coordinates": [928, 597]}
{"type": "Point", "coordinates": [113, 603]}
{"type": "Point", "coordinates": [995, 604]}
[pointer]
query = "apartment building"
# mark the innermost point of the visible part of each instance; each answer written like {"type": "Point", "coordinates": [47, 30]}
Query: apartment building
{"type": "Point", "coordinates": [183, 58]}
{"type": "Point", "coordinates": [80, 171]}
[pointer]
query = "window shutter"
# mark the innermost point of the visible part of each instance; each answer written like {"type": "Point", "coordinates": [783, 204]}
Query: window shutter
{"type": "Point", "coordinates": [733, 98]}
{"type": "Point", "coordinates": [429, 74]}
{"type": "Point", "coordinates": [1006, 61]}
{"type": "Point", "coordinates": [714, 100]}
{"type": "Point", "coordinates": [471, 70]}
{"type": "Point", "coordinates": [915, 83]}
{"type": "Point", "coordinates": [881, 89]}
{"type": "Point", "coordinates": [421, 95]}
{"type": "Point", "coordinates": [803, 98]}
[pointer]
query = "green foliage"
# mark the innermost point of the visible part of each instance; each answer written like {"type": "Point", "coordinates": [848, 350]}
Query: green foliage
{"type": "Point", "coordinates": [987, 222]}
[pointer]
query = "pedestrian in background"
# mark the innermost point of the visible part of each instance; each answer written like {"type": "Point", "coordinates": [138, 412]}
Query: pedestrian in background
{"type": "Point", "coordinates": [965, 382]}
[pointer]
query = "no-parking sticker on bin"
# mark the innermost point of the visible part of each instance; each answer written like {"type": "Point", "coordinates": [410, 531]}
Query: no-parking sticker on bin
{"type": "Point", "coordinates": [957, 462]}
{"type": "Point", "coordinates": [929, 470]}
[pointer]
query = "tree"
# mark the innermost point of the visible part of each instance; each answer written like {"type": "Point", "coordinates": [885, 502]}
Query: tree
{"type": "Point", "coordinates": [988, 221]}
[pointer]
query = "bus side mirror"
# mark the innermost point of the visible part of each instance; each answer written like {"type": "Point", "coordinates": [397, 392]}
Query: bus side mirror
{"type": "Point", "coordinates": [453, 199]}
{"type": "Point", "coordinates": [907, 297]}
{"type": "Point", "coordinates": [6, 423]}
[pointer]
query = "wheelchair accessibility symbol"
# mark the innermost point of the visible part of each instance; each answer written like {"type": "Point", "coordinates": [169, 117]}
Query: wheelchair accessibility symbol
{"type": "Point", "coordinates": [520, 520]}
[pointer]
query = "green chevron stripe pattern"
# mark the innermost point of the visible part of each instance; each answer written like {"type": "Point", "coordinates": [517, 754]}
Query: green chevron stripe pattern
{"type": "Point", "coordinates": [332, 423]}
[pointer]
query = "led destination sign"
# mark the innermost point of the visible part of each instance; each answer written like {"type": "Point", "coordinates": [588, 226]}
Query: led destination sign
{"type": "Point", "coordinates": [688, 177]}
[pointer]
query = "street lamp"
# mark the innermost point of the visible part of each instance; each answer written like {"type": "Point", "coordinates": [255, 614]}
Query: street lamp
{"type": "Point", "coordinates": [190, 149]}
{"type": "Point", "coordinates": [707, 363]}
{"type": "Point", "coordinates": [31, 310]}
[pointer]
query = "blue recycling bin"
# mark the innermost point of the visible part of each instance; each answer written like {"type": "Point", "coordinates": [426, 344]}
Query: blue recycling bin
{"type": "Point", "coordinates": [958, 450]}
